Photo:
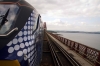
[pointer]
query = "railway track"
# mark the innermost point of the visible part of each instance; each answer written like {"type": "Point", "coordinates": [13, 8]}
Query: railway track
{"type": "Point", "coordinates": [54, 55]}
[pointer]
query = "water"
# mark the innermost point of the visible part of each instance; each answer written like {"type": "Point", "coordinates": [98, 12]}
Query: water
{"type": "Point", "coordinates": [91, 40]}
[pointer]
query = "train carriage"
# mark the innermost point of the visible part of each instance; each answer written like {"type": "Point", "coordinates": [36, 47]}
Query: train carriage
{"type": "Point", "coordinates": [21, 32]}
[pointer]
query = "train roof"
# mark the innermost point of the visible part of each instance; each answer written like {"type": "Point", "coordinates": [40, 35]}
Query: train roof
{"type": "Point", "coordinates": [20, 2]}
{"type": "Point", "coordinates": [10, 0]}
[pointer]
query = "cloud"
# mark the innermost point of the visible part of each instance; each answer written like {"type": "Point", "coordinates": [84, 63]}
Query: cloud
{"type": "Point", "coordinates": [67, 8]}
{"type": "Point", "coordinates": [58, 24]}
{"type": "Point", "coordinates": [69, 14]}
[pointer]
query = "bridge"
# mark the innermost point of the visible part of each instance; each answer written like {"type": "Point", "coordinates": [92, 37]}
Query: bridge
{"type": "Point", "coordinates": [60, 51]}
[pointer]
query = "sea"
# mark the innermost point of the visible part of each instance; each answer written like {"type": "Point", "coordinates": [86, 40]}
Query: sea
{"type": "Point", "coordinates": [91, 40]}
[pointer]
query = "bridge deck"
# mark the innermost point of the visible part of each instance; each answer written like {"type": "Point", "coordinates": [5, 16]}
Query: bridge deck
{"type": "Point", "coordinates": [77, 57]}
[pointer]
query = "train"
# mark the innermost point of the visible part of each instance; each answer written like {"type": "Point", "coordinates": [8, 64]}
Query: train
{"type": "Point", "coordinates": [21, 34]}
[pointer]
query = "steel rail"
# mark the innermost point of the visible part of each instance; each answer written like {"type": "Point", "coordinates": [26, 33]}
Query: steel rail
{"type": "Point", "coordinates": [53, 54]}
{"type": "Point", "coordinates": [57, 57]}
{"type": "Point", "coordinates": [72, 61]}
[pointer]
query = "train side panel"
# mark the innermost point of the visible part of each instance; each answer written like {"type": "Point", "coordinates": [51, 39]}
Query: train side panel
{"type": "Point", "coordinates": [25, 46]}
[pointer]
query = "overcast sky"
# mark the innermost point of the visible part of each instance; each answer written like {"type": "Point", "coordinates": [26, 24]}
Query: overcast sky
{"type": "Point", "coordinates": [80, 15]}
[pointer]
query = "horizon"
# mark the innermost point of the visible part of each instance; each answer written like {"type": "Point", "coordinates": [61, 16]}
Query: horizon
{"type": "Point", "coordinates": [73, 30]}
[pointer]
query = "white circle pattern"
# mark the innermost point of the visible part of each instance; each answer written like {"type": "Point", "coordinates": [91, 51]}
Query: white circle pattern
{"type": "Point", "coordinates": [11, 50]}
{"type": "Point", "coordinates": [22, 45]}
{"type": "Point", "coordinates": [25, 51]}
{"type": "Point", "coordinates": [16, 47]}
{"type": "Point", "coordinates": [26, 44]}
{"type": "Point", "coordinates": [29, 60]}
{"type": "Point", "coordinates": [20, 39]}
{"type": "Point", "coordinates": [29, 18]}
{"type": "Point", "coordinates": [31, 48]}
{"type": "Point", "coordinates": [28, 22]}
{"type": "Point", "coordinates": [30, 43]}
{"type": "Point", "coordinates": [25, 38]}
{"type": "Point", "coordinates": [19, 53]}
{"type": "Point", "coordinates": [28, 49]}
{"type": "Point", "coordinates": [31, 27]}
{"type": "Point", "coordinates": [25, 32]}
{"type": "Point", "coordinates": [20, 33]}
{"type": "Point", "coordinates": [28, 38]}
{"type": "Point", "coordinates": [9, 44]}
{"type": "Point", "coordinates": [28, 27]}
{"type": "Point", "coordinates": [33, 36]}
{"type": "Point", "coordinates": [25, 27]}
{"type": "Point", "coordinates": [29, 55]}
{"type": "Point", "coordinates": [15, 41]}
{"type": "Point", "coordinates": [28, 32]}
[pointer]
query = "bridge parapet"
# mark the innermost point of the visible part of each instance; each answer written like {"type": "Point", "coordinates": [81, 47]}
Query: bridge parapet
{"type": "Point", "coordinates": [91, 54]}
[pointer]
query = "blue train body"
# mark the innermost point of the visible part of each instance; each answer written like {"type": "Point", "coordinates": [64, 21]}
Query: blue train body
{"type": "Point", "coordinates": [25, 43]}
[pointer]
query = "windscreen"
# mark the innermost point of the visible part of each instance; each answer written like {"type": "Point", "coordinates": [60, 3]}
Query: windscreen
{"type": "Point", "coordinates": [7, 17]}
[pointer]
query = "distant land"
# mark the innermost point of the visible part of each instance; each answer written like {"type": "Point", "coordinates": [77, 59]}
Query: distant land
{"type": "Point", "coordinates": [73, 32]}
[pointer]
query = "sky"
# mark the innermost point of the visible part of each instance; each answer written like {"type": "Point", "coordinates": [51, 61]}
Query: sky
{"type": "Point", "coordinates": [69, 15]}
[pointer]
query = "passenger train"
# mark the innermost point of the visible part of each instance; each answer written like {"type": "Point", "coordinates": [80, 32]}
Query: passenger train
{"type": "Point", "coordinates": [21, 34]}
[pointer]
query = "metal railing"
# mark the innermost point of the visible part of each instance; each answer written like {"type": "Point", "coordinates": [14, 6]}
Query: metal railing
{"type": "Point", "coordinates": [91, 54]}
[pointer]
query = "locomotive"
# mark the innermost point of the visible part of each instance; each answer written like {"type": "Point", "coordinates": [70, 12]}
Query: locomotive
{"type": "Point", "coordinates": [21, 34]}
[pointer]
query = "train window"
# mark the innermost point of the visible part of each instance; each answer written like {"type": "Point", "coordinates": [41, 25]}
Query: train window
{"type": "Point", "coordinates": [7, 16]}
{"type": "Point", "coordinates": [41, 24]}
{"type": "Point", "coordinates": [35, 20]}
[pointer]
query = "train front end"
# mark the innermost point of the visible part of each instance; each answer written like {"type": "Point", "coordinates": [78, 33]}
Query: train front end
{"type": "Point", "coordinates": [20, 34]}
